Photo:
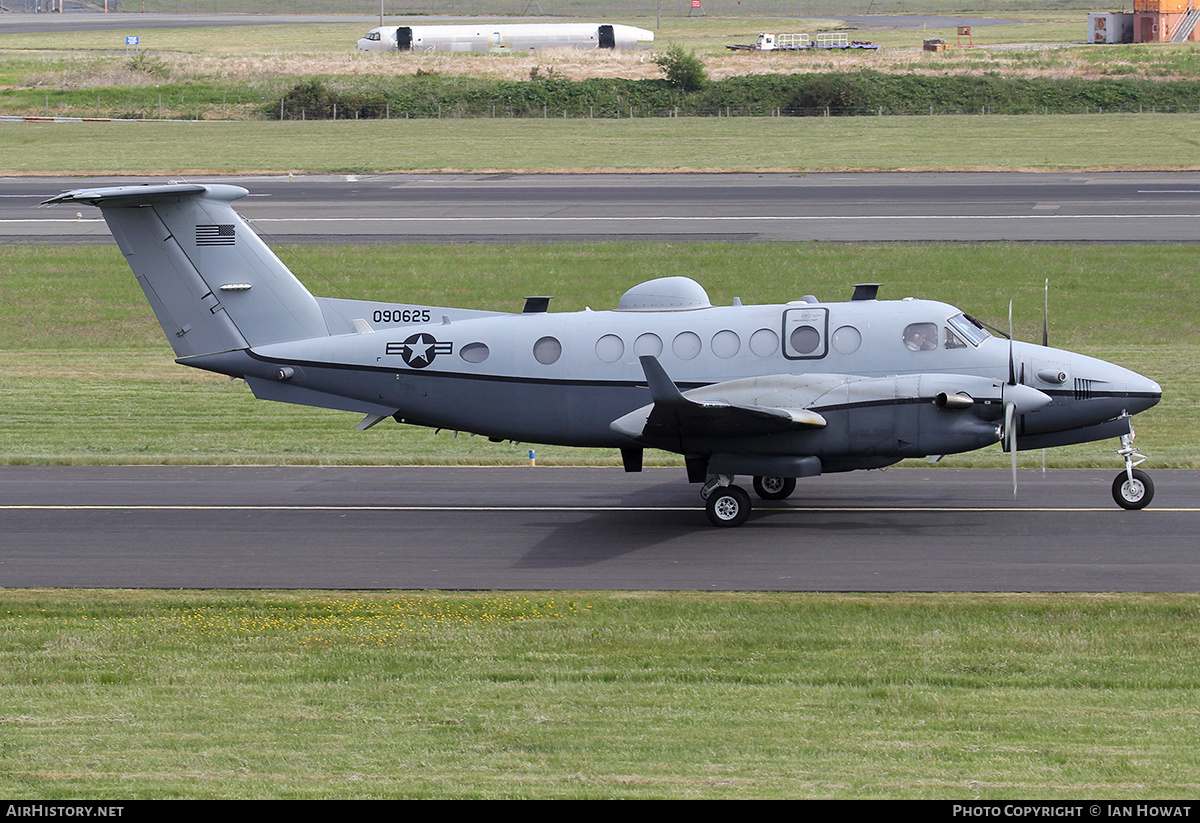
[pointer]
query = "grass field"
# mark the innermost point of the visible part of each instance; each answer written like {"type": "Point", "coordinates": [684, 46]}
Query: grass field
{"type": "Point", "coordinates": [124, 695]}
{"type": "Point", "coordinates": [981, 143]}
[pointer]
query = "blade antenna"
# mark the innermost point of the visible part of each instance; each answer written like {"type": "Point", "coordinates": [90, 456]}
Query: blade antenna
{"type": "Point", "coordinates": [1046, 316]}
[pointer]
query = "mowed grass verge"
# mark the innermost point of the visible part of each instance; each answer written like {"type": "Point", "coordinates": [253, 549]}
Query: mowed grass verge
{"type": "Point", "coordinates": [950, 142]}
{"type": "Point", "coordinates": [125, 695]}
{"type": "Point", "coordinates": [87, 375]}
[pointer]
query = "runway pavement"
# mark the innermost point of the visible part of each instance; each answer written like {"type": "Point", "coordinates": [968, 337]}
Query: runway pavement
{"type": "Point", "coordinates": [504, 208]}
{"type": "Point", "coordinates": [557, 528]}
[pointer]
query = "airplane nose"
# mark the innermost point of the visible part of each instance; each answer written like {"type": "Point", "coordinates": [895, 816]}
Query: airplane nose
{"type": "Point", "coordinates": [1143, 392]}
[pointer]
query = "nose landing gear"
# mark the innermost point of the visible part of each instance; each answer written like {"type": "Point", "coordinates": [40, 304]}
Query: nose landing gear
{"type": "Point", "coordinates": [1132, 488]}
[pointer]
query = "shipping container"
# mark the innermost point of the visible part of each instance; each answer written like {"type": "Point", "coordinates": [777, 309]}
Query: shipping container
{"type": "Point", "coordinates": [1163, 6]}
{"type": "Point", "coordinates": [1110, 27]}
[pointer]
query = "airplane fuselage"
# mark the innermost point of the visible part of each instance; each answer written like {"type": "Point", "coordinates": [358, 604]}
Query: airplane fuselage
{"type": "Point", "coordinates": [563, 378]}
{"type": "Point", "coordinates": [505, 37]}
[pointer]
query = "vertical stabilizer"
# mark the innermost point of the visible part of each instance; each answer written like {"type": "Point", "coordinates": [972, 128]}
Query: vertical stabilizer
{"type": "Point", "coordinates": [212, 282]}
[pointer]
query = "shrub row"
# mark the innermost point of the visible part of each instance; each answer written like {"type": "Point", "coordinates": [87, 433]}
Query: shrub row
{"type": "Point", "coordinates": [834, 93]}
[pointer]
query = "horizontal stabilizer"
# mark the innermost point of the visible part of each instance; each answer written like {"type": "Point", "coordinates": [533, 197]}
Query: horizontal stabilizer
{"type": "Point", "coordinates": [130, 195]}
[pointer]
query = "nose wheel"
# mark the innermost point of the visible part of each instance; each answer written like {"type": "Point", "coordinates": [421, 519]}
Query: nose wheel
{"type": "Point", "coordinates": [1132, 488]}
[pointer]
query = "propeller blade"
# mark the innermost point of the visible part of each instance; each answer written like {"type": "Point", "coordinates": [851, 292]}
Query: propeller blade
{"type": "Point", "coordinates": [1045, 341]}
{"type": "Point", "coordinates": [1012, 369]}
{"type": "Point", "coordinates": [1010, 433]}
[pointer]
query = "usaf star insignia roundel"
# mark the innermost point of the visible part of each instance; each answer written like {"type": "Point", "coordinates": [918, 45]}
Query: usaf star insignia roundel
{"type": "Point", "coordinates": [419, 350]}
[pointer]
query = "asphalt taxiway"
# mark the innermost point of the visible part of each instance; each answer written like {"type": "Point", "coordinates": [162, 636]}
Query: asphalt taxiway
{"type": "Point", "coordinates": [530, 528]}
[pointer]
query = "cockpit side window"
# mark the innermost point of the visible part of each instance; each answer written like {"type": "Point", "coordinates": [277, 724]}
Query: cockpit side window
{"type": "Point", "coordinates": [967, 329]}
{"type": "Point", "coordinates": [920, 336]}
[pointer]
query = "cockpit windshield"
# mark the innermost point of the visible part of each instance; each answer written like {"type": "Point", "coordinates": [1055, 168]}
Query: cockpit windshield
{"type": "Point", "coordinates": [968, 329]}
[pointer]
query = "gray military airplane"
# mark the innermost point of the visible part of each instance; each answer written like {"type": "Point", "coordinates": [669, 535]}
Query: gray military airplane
{"type": "Point", "coordinates": [776, 392]}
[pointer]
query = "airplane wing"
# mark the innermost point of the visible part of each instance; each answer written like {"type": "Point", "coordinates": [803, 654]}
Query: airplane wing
{"type": "Point", "coordinates": [673, 414]}
{"type": "Point", "coordinates": [778, 403]}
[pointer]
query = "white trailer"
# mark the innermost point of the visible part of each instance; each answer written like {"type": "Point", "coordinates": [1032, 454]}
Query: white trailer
{"type": "Point", "coordinates": [504, 38]}
{"type": "Point", "coordinates": [801, 42]}
{"type": "Point", "coordinates": [772, 42]}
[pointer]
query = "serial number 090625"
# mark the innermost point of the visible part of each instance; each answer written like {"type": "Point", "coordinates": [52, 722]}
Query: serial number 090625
{"type": "Point", "coordinates": [402, 316]}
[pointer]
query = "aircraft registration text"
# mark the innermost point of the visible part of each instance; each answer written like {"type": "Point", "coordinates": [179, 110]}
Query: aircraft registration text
{"type": "Point", "coordinates": [402, 315]}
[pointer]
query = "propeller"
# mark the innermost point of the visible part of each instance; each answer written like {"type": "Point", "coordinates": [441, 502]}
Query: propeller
{"type": "Point", "coordinates": [1018, 399]}
{"type": "Point", "coordinates": [1010, 405]}
{"type": "Point", "coordinates": [1045, 341]}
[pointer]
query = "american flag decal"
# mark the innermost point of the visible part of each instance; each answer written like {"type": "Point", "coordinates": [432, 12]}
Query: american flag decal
{"type": "Point", "coordinates": [220, 234]}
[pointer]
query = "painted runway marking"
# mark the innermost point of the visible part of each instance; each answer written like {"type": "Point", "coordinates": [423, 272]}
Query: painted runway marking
{"type": "Point", "coordinates": [798, 509]}
{"type": "Point", "coordinates": [723, 218]}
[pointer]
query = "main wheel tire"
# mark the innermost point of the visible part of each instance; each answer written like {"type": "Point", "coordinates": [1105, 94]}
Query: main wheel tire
{"type": "Point", "coordinates": [774, 488]}
{"type": "Point", "coordinates": [727, 506]}
{"type": "Point", "coordinates": [1135, 494]}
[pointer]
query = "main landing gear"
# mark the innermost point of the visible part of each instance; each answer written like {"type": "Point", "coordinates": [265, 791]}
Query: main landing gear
{"type": "Point", "coordinates": [1132, 488]}
{"type": "Point", "coordinates": [729, 505]}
